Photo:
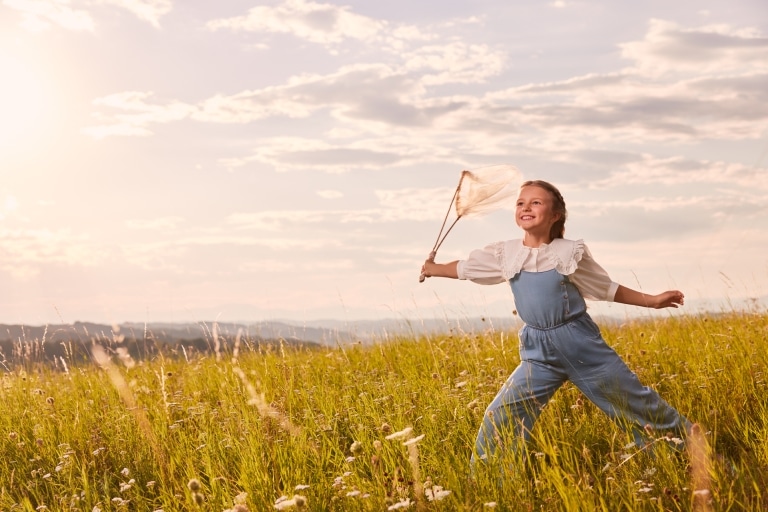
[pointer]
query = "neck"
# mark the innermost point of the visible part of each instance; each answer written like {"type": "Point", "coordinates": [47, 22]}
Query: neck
{"type": "Point", "coordinates": [535, 240]}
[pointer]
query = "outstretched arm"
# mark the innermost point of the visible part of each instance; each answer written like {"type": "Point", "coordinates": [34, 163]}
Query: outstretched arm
{"type": "Point", "coordinates": [668, 299]}
{"type": "Point", "coordinates": [432, 269]}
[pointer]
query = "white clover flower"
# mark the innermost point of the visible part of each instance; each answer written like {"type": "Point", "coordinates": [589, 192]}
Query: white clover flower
{"type": "Point", "coordinates": [349, 459]}
{"type": "Point", "coordinates": [406, 503]}
{"type": "Point", "coordinates": [490, 504]}
{"type": "Point", "coordinates": [354, 493]}
{"type": "Point", "coordinates": [283, 502]}
{"type": "Point", "coordinates": [436, 493]}
{"type": "Point", "coordinates": [125, 471]}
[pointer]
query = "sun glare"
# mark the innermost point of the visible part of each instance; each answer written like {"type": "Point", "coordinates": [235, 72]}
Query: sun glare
{"type": "Point", "coordinates": [25, 103]}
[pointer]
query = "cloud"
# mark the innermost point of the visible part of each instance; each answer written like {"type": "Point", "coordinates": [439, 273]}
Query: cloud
{"type": "Point", "coordinates": [408, 204]}
{"type": "Point", "coordinates": [30, 248]}
{"type": "Point", "coordinates": [39, 15]}
{"type": "Point", "coordinates": [316, 22]}
{"type": "Point", "coordinates": [681, 171]}
{"type": "Point", "coordinates": [719, 49]}
{"type": "Point", "coordinates": [287, 153]}
{"type": "Point", "coordinates": [147, 10]}
{"type": "Point", "coordinates": [137, 114]}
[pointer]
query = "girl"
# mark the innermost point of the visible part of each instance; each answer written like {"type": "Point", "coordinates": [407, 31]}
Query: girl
{"type": "Point", "coordinates": [550, 278]}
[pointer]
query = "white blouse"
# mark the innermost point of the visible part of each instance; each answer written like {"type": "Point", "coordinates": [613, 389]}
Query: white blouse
{"type": "Point", "coordinates": [501, 261]}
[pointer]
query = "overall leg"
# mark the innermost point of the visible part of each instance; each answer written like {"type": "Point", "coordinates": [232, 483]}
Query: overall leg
{"type": "Point", "coordinates": [598, 371]}
{"type": "Point", "coordinates": [511, 415]}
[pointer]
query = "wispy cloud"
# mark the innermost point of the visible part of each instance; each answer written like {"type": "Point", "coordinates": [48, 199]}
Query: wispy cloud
{"type": "Point", "coordinates": [712, 49]}
{"type": "Point", "coordinates": [146, 10]}
{"type": "Point", "coordinates": [76, 15]}
{"type": "Point", "coordinates": [316, 22]}
{"type": "Point", "coordinates": [39, 15]}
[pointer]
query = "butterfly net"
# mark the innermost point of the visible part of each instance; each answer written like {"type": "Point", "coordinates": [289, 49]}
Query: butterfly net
{"type": "Point", "coordinates": [486, 189]}
{"type": "Point", "coordinates": [480, 191]}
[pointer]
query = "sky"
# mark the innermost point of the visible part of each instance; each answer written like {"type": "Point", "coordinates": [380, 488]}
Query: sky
{"type": "Point", "coordinates": [165, 161]}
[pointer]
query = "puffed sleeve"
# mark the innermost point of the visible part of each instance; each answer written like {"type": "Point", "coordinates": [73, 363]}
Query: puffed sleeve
{"type": "Point", "coordinates": [592, 280]}
{"type": "Point", "coordinates": [482, 266]}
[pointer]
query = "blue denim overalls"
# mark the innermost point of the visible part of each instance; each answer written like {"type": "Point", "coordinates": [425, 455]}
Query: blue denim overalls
{"type": "Point", "coordinates": [561, 342]}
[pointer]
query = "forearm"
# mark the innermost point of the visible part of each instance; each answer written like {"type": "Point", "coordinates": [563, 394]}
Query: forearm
{"type": "Point", "coordinates": [668, 299]}
{"type": "Point", "coordinates": [432, 269]}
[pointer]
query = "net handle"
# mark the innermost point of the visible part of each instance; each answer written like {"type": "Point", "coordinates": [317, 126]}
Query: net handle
{"type": "Point", "coordinates": [439, 241]}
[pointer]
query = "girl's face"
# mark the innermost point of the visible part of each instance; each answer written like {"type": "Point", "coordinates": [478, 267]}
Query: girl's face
{"type": "Point", "coordinates": [534, 210]}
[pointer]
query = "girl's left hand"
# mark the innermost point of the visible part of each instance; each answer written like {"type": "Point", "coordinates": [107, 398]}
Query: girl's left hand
{"type": "Point", "coordinates": [669, 299]}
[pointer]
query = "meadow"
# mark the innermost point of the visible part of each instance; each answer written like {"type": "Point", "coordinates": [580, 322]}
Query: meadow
{"type": "Point", "coordinates": [387, 426]}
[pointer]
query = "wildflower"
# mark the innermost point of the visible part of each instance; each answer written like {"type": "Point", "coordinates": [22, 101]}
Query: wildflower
{"type": "Point", "coordinates": [300, 487]}
{"type": "Point", "coordinates": [377, 445]}
{"type": "Point", "coordinates": [297, 501]}
{"type": "Point", "coordinates": [461, 384]}
{"type": "Point", "coordinates": [13, 436]}
{"type": "Point", "coordinates": [125, 471]}
{"type": "Point", "coordinates": [406, 503]}
{"type": "Point", "coordinates": [400, 435]}
{"type": "Point", "coordinates": [436, 493]}
{"type": "Point", "coordinates": [49, 400]}
{"type": "Point", "coordinates": [199, 498]}
{"type": "Point", "coordinates": [150, 484]}
{"type": "Point", "coordinates": [386, 428]}
{"type": "Point", "coordinates": [356, 448]}
{"type": "Point", "coordinates": [241, 498]}
{"type": "Point", "coordinates": [349, 459]}
{"type": "Point", "coordinates": [490, 504]}
{"type": "Point", "coordinates": [354, 493]}
{"type": "Point", "coordinates": [414, 440]}
{"type": "Point", "coordinates": [194, 485]}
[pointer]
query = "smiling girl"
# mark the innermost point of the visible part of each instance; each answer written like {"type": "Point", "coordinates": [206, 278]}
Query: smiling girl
{"type": "Point", "coordinates": [550, 277]}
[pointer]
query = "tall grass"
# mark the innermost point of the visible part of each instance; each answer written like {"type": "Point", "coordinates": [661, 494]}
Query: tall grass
{"type": "Point", "coordinates": [387, 426]}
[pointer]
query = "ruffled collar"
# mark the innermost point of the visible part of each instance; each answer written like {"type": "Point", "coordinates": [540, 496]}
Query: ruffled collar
{"type": "Point", "coordinates": [562, 253]}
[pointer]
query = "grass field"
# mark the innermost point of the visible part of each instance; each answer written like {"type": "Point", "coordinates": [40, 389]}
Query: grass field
{"type": "Point", "coordinates": [383, 426]}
